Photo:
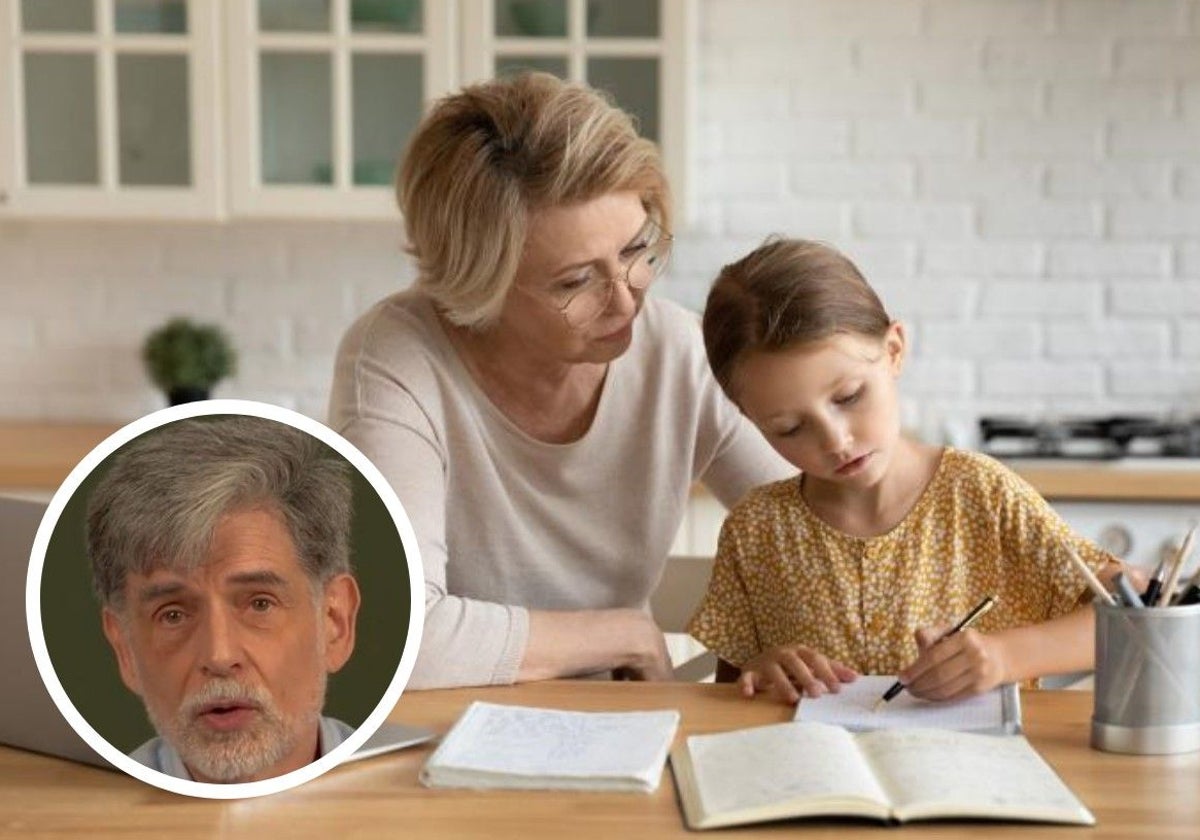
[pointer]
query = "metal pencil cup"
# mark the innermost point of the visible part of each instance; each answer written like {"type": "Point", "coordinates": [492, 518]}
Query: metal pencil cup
{"type": "Point", "coordinates": [1147, 697]}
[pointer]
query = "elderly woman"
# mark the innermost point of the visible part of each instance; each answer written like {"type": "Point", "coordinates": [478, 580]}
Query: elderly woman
{"type": "Point", "coordinates": [539, 417]}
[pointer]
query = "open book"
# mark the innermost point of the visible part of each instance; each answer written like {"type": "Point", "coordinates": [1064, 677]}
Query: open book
{"type": "Point", "coordinates": [497, 746]}
{"type": "Point", "coordinates": [798, 769]}
{"type": "Point", "coordinates": [997, 712]}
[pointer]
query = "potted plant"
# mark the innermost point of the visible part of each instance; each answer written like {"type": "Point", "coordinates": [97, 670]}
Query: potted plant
{"type": "Point", "coordinates": [185, 359]}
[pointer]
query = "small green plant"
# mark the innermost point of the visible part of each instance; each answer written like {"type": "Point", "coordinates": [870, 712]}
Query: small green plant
{"type": "Point", "coordinates": [185, 359]}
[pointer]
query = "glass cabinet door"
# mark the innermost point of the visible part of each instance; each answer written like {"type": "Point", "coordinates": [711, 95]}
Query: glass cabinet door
{"type": "Point", "coordinates": [296, 124]}
{"type": "Point", "coordinates": [635, 52]}
{"type": "Point", "coordinates": [336, 87]}
{"type": "Point", "coordinates": [152, 120]}
{"type": "Point", "coordinates": [613, 45]}
{"type": "Point", "coordinates": [112, 109]}
{"type": "Point", "coordinates": [61, 118]}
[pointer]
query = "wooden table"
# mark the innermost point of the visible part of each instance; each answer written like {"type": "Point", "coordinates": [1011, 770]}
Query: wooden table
{"type": "Point", "coordinates": [1132, 796]}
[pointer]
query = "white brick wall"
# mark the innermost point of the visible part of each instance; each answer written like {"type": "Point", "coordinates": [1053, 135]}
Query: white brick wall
{"type": "Point", "coordinates": [1017, 380]}
{"type": "Point", "coordinates": [1189, 339]}
{"type": "Point", "coordinates": [1116, 340]}
{"type": "Point", "coordinates": [1109, 259]}
{"type": "Point", "coordinates": [981, 340]}
{"type": "Point", "coordinates": [1020, 179]}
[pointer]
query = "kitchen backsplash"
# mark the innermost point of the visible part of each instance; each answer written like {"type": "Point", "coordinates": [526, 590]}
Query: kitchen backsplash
{"type": "Point", "coordinates": [1019, 178]}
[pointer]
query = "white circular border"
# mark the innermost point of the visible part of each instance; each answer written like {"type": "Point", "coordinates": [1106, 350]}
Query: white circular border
{"type": "Point", "coordinates": [188, 787]}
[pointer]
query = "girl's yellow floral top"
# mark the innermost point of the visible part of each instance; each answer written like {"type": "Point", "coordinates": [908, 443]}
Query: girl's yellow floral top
{"type": "Point", "coordinates": [783, 576]}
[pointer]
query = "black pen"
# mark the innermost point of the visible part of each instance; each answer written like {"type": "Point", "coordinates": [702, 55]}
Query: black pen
{"type": "Point", "coordinates": [1150, 596]}
{"type": "Point", "coordinates": [969, 619]}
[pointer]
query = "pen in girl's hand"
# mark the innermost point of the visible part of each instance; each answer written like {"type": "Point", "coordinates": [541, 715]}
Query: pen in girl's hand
{"type": "Point", "coordinates": [967, 620]}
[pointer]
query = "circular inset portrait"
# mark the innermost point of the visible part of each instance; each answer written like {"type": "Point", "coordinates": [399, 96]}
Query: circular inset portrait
{"type": "Point", "coordinates": [225, 599]}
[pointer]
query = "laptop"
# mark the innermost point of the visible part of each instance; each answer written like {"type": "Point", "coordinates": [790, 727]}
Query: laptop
{"type": "Point", "coordinates": [29, 719]}
{"type": "Point", "coordinates": [391, 736]}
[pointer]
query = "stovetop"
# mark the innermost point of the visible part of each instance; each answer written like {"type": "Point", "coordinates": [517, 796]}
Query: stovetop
{"type": "Point", "coordinates": [1090, 438]}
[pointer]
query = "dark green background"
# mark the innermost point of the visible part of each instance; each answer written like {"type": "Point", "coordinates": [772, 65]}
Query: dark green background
{"type": "Point", "coordinates": [87, 667]}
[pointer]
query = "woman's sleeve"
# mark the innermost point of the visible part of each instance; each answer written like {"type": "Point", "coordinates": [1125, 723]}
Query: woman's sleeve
{"type": "Point", "coordinates": [732, 456]}
{"type": "Point", "coordinates": [465, 641]}
{"type": "Point", "coordinates": [742, 459]}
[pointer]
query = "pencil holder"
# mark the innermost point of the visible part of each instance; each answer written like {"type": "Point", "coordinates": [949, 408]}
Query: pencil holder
{"type": "Point", "coordinates": [1147, 697]}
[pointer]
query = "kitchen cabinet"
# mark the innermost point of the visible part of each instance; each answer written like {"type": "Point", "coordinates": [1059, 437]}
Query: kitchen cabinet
{"type": "Point", "coordinates": [639, 53]}
{"type": "Point", "coordinates": [109, 108]}
{"type": "Point", "coordinates": [323, 95]}
{"type": "Point", "coordinates": [290, 108]}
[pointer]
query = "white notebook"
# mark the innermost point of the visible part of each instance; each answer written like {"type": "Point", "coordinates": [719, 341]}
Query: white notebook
{"type": "Point", "coordinates": [497, 746]}
{"type": "Point", "coordinates": [997, 712]}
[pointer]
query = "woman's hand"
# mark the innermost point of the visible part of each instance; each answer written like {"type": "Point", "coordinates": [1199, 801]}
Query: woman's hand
{"type": "Point", "coordinates": [960, 665]}
{"type": "Point", "coordinates": [788, 670]}
{"type": "Point", "coordinates": [572, 643]}
{"type": "Point", "coordinates": [647, 658]}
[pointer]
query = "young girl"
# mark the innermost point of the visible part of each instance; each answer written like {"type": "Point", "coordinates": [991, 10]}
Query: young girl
{"type": "Point", "coordinates": [859, 564]}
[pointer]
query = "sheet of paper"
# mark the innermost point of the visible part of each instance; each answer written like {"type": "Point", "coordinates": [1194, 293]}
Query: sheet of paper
{"type": "Point", "coordinates": [493, 742]}
{"type": "Point", "coordinates": [852, 708]}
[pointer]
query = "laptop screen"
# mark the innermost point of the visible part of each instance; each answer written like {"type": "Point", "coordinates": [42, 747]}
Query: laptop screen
{"type": "Point", "coordinates": [30, 721]}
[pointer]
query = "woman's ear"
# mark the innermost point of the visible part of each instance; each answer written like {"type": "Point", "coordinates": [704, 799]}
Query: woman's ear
{"type": "Point", "coordinates": [895, 345]}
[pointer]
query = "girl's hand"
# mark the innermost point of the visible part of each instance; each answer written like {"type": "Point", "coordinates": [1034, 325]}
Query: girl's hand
{"type": "Point", "coordinates": [958, 666]}
{"type": "Point", "coordinates": [788, 670]}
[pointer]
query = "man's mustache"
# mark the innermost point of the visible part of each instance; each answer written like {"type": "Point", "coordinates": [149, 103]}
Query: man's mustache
{"type": "Point", "coordinates": [220, 693]}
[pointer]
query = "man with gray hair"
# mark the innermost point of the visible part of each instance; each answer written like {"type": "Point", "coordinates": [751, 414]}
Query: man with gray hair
{"type": "Point", "coordinates": [220, 553]}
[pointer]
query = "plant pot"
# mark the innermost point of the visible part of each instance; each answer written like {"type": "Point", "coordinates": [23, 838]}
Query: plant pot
{"type": "Point", "coordinates": [186, 394]}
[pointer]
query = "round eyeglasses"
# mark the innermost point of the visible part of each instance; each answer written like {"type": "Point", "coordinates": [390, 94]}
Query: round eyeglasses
{"type": "Point", "coordinates": [581, 301]}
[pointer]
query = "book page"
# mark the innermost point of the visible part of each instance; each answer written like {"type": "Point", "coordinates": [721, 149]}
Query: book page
{"type": "Point", "coordinates": [932, 772]}
{"type": "Point", "coordinates": [492, 743]}
{"type": "Point", "coordinates": [852, 708]}
{"type": "Point", "coordinates": [766, 765]}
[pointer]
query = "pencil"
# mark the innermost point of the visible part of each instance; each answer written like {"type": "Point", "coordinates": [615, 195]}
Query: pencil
{"type": "Point", "coordinates": [967, 620]}
{"type": "Point", "coordinates": [1195, 581]}
{"type": "Point", "coordinates": [1177, 567]}
{"type": "Point", "coordinates": [1191, 591]}
{"type": "Point", "coordinates": [1092, 581]}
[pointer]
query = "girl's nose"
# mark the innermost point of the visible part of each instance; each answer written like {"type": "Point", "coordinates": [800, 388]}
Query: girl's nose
{"type": "Point", "coordinates": [835, 436]}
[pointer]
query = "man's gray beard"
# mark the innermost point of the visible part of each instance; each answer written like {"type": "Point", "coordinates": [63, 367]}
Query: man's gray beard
{"type": "Point", "coordinates": [237, 755]}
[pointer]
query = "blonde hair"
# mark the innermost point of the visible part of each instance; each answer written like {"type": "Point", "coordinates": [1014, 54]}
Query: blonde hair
{"type": "Point", "coordinates": [786, 292]}
{"type": "Point", "coordinates": [486, 157]}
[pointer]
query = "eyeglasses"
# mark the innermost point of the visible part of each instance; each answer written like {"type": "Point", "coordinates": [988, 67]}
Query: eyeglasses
{"type": "Point", "coordinates": [582, 299]}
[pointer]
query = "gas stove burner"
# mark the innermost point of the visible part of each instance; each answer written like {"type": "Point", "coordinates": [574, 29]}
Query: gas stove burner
{"type": "Point", "coordinates": [1112, 437]}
